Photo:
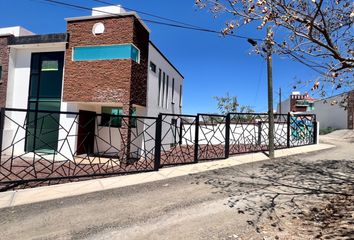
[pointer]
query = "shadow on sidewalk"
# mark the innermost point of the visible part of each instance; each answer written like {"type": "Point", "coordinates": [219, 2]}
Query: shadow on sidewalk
{"type": "Point", "coordinates": [291, 196]}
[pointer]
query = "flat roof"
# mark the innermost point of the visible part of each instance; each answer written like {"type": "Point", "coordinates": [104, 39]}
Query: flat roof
{"type": "Point", "coordinates": [163, 55]}
{"type": "Point", "coordinates": [113, 15]}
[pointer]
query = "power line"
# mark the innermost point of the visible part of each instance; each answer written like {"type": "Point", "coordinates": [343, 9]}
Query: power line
{"type": "Point", "coordinates": [146, 20]}
{"type": "Point", "coordinates": [149, 14]}
{"type": "Point", "coordinates": [184, 26]}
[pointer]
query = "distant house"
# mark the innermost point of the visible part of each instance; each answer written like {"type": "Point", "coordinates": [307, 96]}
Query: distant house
{"type": "Point", "coordinates": [104, 63]}
{"type": "Point", "coordinates": [335, 112]}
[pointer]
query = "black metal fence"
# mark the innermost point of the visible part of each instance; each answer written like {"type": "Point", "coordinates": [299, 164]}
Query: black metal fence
{"type": "Point", "coordinates": [46, 147]}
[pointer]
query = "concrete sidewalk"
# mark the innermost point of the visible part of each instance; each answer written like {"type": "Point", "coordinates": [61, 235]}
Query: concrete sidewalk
{"type": "Point", "coordinates": [33, 195]}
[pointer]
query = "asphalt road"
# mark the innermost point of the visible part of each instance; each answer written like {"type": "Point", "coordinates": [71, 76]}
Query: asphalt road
{"type": "Point", "coordinates": [230, 203]}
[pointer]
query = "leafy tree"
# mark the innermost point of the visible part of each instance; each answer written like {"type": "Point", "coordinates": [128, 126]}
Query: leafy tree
{"type": "Point", "coordinates": [246, 109]}
{"type": "Point", "coordinates": [319, 33]}
{"type": "Point", "coordinates": [229, 104]}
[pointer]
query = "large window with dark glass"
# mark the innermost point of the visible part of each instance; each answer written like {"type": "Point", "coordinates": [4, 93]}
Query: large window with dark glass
{"type": "Point", "coordinates": [45, 88]}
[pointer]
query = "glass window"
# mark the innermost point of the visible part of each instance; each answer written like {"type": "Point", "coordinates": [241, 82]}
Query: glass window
{"type": "Point", "coordinates": [163, 89]}
{"type": "Point", "coordinates": [34, 86]}
{"type": "Point", "coordinates": [311, 107]}
{"type": "Point", "coordinates": [167, 91]}
{"type": "Point", "coordinates": [159, 93]}
{"type": "Point", "coordinates": [180, 96]}
{"type": "Point", "coordinates": [123, 51]}
{"type": "Point", "coordinates": [50, 65]}
{"type": "Point", "coordinates": [153, 67]}
{"type": "Point", "coordinates": [135, 55]}
{"type": "Point", "coordinates": [50, 84]}
{"type": "Point", "coordinates": [108, 118]}
{"type": "Point", "coordinates": [173, 90]}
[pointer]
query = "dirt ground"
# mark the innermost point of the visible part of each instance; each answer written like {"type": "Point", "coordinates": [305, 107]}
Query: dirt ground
{"type": "Point", "coordinates": [309, 196]}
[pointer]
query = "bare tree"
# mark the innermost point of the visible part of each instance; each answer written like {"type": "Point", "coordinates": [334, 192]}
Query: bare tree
{"type": "Point", "coordinates": [319, 32]}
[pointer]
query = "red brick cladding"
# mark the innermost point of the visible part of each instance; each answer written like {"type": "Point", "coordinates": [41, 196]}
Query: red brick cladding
{"type": "Point", "coordinates": [113, 81]}
{"type": "Point", "coordinates": [293, 107]}
{"type": "Point", "coordinates": [140, 71]}
{"type": "Point", "coordinates": [4, 62]}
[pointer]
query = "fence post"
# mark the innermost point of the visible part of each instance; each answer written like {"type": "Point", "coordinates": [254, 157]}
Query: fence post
{"type": "Point", "coordinates": [180, 131]}
{"type": "Point", "coordinates": [288, 131]}
{"type": "Point", "coordinates": [259, 139]}
{"type": "Point", "coordinates": [157, 163]}
{"type": "Point", "coordinates": [196, 139]}
{"type": "Point", "coordinates": [227, 135]}
{"type": "Point", "coordinates": [314, 122]}
{"type": "Point", "coordinates": [2, 123]}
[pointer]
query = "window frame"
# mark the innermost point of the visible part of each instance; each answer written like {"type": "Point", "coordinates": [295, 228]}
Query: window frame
{"type": "Point", "coordinates": [167, 90]}
{"type": "Point", "coordinates": [173, 91]}
{"type": "Point", "coordinates": [159, 93]}
{"type": "Point", "coordinates": [75, 58]}
{"type": "Point", "coordinates": [180, 95]}
{"type": "Point", "coordinates": [152, 67]}
{"type": "Point", "coordinates": [107, 118]}
{"type": "Point", "coordinates": [163, 89]}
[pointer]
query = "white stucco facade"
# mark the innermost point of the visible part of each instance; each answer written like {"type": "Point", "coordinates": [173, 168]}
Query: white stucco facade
{"type": "Point", "coordinates": [330, 113]}
{"type": "Point", "coordinates": [17, 31]}
{"type": "Point", "coordinates": [163, 96]}
{"type": "Point", "coordinates": [172, 95]}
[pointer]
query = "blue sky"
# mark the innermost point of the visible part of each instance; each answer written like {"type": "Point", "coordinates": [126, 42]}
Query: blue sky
{"type": "Point", "coordinates": [212, 65]}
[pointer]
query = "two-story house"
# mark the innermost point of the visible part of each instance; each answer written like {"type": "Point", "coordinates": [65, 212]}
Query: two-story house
{"type": "Point", "coordinates": [104, 64]}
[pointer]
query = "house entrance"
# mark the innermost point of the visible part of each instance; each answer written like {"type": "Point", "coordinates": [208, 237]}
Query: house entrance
{"type": "Point", "coordinates": [86, 132]}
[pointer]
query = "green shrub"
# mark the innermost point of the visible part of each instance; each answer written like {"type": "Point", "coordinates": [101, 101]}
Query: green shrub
{"type": "Point", "coordinates": [327, 130]}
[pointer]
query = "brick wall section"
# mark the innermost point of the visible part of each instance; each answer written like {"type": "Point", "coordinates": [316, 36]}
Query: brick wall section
{"type": "Point", "coordinates": [140, 71]}
{"type": "Point", "coordinates": [113, 81]}
{"type": "Point", "coordinates": [351, 110]}
{"type": "Point", "coordinates": [4, 62]}
{"type": "Point", "coordinates": [293, 107]}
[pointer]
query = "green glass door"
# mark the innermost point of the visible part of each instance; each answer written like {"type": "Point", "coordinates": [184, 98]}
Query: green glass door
{"type": "Point", "coordinates": [44, 95]}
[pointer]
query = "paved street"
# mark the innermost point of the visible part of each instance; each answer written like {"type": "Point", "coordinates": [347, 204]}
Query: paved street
{"type": "Point", "coordinates": [263, 200]}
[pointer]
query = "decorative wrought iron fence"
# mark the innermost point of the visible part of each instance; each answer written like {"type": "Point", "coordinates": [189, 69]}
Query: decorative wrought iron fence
{"type": "Point", "coordinates": [44, 147]}
{"type": "Point", "coordinates": [47, 145]}
{"type": "Point", "coordinates": [249, 132]}
{"type": "Point", "coordinates": [211, 136]}
{"type": "Point", "coordinates": [177, 139]}
{"type": "Point", "coordinates": [302, 129]}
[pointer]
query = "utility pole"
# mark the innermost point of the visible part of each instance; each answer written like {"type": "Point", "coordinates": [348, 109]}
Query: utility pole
{"type": "Point", "coordinates": [280, 100]}
{"type": "Point", "coordinates": [269, 48]}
